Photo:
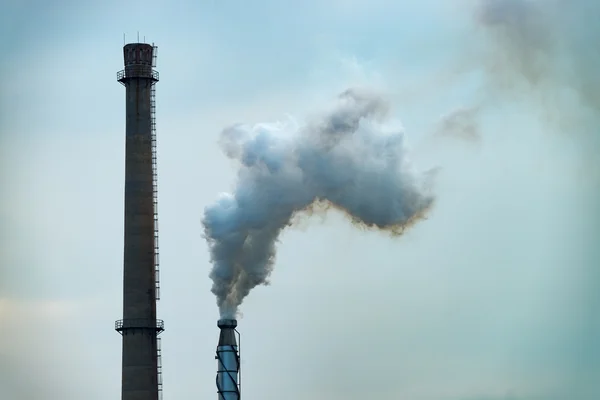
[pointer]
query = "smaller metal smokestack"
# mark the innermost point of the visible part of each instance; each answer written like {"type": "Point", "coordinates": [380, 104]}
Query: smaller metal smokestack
{"type": "Point", "coordinates": [228, 361]}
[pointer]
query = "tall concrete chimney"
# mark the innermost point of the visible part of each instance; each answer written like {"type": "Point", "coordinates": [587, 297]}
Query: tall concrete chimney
{"type": "Point", "coordinates": [141, 375]}
{"type": "Point", "coordinates": [228, 361]}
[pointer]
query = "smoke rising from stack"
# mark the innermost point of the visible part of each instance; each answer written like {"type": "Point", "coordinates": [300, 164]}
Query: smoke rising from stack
{"type": "Point", "coordinates": [544, 52]}
{"type": "Point", "coordinates": [346, 159]}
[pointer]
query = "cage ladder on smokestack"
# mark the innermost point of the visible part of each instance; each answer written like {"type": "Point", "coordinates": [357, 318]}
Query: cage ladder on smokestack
{"type": "Point", "coordinates": [155, 211]}
{"type": "Point", "coordinates": [159, 368]}
{"type": "Point", "coordinates": [155, 178]}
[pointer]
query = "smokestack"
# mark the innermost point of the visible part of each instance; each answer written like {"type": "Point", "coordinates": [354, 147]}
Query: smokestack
{"type": "Point", "coordinates": [141, 378]}
{"type": "Point", "coordinates": [228, 361]}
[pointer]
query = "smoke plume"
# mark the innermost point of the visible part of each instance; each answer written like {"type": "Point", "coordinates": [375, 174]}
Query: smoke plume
{"type": "Point", "coordinates": [544, 52]}
{"type": "Point", "coordinates": [462, 124]}
{"type": "Point", "coordinates": [345, 159]}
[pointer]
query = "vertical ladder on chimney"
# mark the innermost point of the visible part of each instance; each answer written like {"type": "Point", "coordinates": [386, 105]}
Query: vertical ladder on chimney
{"type": "Point", "coordinates": [155, 211]}
{"type": "Point", "coordinates": [154, 186]}
{"type": "Point", "coordinates": [159, 368]}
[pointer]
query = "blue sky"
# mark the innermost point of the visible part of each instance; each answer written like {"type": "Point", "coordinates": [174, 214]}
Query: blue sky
{"type": "Point", "coordinates": [491, 297]}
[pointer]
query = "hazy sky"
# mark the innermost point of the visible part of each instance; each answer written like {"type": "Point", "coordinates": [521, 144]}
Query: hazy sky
{"type": "Point", "coordinates": [495, 296]}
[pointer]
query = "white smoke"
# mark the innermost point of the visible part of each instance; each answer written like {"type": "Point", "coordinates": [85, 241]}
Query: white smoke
{"type": "Point", "coordinates": [345, 159]}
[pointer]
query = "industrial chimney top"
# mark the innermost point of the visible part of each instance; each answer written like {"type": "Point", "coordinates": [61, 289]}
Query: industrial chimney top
{"type": "Point", "coordinates": [138, 54]}
{"type": "Point", "coordinates": [140, 59]}
{"type": "Point", "coordinates": [227, 323]}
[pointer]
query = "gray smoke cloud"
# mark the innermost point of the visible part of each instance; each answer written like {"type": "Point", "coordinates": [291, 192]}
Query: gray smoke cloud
{"type": "Point", "coordinates": [461, 123]}
{"type": "Point", "coordinates": [346, 159]}
{"type": "Point", "coordinates": [544, 52]}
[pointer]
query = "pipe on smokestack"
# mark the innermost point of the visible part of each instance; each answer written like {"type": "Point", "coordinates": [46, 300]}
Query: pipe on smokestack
{"type": "Point", "coordinates": [228, 361]}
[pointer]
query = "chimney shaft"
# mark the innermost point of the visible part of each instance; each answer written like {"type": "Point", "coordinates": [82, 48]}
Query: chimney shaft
{"type": "Point", "coordinates": [228, 361]}
{"type": "Point", "coordinates": [139, 326]}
